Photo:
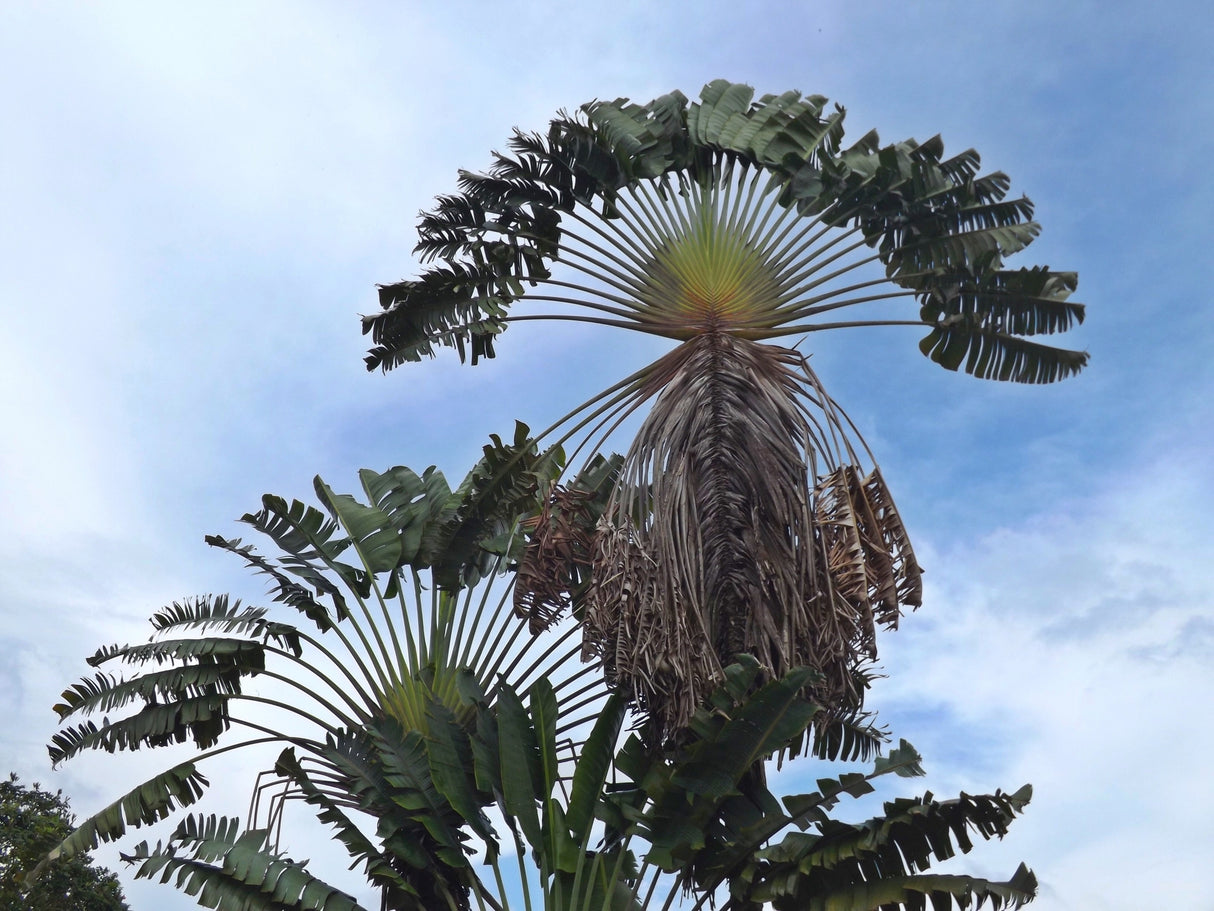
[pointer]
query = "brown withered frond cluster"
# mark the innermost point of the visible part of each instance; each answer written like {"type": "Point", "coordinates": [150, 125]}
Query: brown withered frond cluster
{"type": "Point", "coordinates": [556, 563]}
{"type": "Point", "coordinates": [867, 573]}
{"type": "Point", "coordinates": [741, 522]}
{"type": "Point", "coordinates": [869, 561]}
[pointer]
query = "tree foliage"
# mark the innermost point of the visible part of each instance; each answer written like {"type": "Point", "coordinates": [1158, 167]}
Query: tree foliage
{"type": "Point", "coordinates": [32, 821]}
{"type": "Point", "coordinates": [579, 674]}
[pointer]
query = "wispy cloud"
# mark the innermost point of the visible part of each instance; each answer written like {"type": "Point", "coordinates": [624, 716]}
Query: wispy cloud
{"type": "Point", "coordinates": [1073, 651]}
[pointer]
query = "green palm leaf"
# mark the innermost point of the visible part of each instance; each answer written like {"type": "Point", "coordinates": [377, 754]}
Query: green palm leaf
{"type": "Point", "coordinates": [914, 893]}
{"type": "Point", "coordinates": [149, 802]}
{"type": "Point", "coordinates": [503, 486]}
{"type": "Point", "coordinates": [208, 612]}
{"type": "Point", "coordinates": [200, 719]}
{"type": "Point", "coordinates": [285, 589]}
{"type": "Point", "coordinates": [106, 692]}
{"type": "Point", "coordinates": [210, 858]}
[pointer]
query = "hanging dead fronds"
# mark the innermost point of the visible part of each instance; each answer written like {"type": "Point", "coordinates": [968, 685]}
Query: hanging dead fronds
{"type": "Point", "coordinates": [557, 559]}
{"type": "Point", "coordinates": [716, 540]}
{"type": "Point", "coordinates": [868, 554]}
{"type": "Point", "coordinates": [554, 571]}
{"type": "Point", "coordinates": [907, 573]}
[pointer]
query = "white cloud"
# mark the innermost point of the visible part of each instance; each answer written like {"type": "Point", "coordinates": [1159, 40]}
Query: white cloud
{"type": "Point", "coordinates": [1074, 652]}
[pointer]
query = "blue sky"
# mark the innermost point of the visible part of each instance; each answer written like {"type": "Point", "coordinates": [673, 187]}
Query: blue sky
{"type": "Point", "coordinates": [197, 203]}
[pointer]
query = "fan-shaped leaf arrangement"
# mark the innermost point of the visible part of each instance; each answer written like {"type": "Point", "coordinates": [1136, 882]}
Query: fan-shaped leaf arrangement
{"type": "Point", "coordinates": [747, 516]}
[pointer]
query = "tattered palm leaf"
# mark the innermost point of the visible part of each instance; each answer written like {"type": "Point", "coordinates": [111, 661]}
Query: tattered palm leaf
{"type": "Point", "coordinates": [846, 865]}
{"type": "Point", "coordinates": [153, 800]}
{"type": "Point", "coordinates": [230, 870]}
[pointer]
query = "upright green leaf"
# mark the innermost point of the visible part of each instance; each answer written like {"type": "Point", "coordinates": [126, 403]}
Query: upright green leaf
{"type": "Point", "coordinates": [594, 763]}
{"type": "Point", "coordinates": [522, 773]}
{"type": "Point", "coordinates": [451, 768]}
{"type": "Point", "coordinates": [368, 528]}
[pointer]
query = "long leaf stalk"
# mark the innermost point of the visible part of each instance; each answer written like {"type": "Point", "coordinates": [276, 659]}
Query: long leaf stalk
{"type": "Point", "coordinates": [349, 676]}
{"type": "Point", "coordinates": [347, 720]}
{"type": "Point", "coordinates": [473, 649]}
{"type": "Point", "coordinates": [524, 880]}
{"type": "Point", "coordinates": [423, 648]}
{"type": "Point", "coordinates": [404, 605]}
{"type": "Point", "coordinates": [397, 652]}
{"type": "Point", "coordinates": [389, 678]}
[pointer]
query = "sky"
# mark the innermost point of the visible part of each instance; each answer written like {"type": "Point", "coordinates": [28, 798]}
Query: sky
{"type": "Point", "coordinates": [197, 201]}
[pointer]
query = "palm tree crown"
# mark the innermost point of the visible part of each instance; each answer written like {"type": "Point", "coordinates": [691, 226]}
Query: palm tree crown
{"type": "Point", "coordinates": [747, 516]}
{"type": "Point", "coordinates": [680, 215]}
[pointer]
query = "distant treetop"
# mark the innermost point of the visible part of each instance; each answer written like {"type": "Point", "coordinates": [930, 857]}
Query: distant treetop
{"type": "Point", "coordinates": [32, 821]}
